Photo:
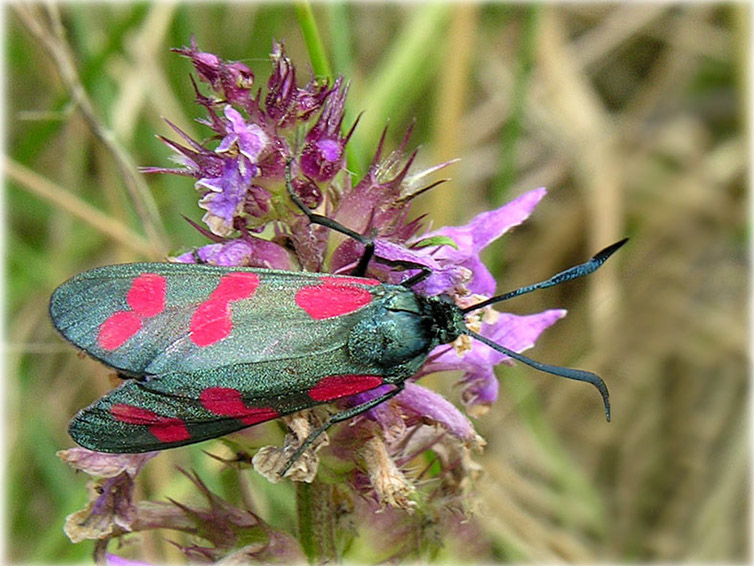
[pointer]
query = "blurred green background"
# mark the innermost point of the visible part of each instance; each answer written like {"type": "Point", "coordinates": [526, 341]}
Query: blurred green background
{"type": "Point", "coordinates": [633, 115]}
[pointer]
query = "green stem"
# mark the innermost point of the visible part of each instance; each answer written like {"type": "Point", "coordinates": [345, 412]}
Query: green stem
{"type": "Point", "coordinates": [405, 69]}
{"type": "Point", "coordinates": [340, 33]}
{"type": "Point", "coordinates": [317, 56]}
{"type": "Point", "coordinates": [316, 525]}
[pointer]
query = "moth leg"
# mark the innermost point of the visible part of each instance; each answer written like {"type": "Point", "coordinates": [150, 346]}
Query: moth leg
{"type": "Point", "coordinates": [424, 271]}
{"type": "Point", "coordinates": [361, 267]}
{"type": "Point", "coordinates": [195, 255]}
{"type": "Point", "coordinates": [338, 417]}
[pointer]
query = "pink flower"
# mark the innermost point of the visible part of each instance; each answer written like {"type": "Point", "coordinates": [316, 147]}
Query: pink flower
{"type": "Point", "coordinates": [242, 182]}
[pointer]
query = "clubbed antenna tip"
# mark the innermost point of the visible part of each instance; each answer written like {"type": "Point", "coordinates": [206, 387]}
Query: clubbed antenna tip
{"type": "Point", "coordinates": [574, 272]}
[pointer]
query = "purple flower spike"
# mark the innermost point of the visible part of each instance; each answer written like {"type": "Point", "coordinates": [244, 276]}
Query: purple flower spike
{"type": "Point", "coordinates": [241, 177]}
{"type": "Point", "coordinates": [483, 229]}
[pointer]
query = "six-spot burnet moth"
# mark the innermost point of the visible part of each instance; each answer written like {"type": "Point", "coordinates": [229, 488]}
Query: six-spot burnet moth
{"type": "Point", "coordinates": [205, 351]}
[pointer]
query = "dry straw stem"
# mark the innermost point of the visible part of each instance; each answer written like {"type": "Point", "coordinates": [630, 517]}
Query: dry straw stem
{"type": "Point", "coordinates": [581, 123]}
{"type": "Point", "coordinates": [452, 99]}
{"type": "Point", "coordinates": [45, 25]}
{"type": "Point", "coordinates": [142, 81]}
{"type": "Point", "coordinates": [63, 199]}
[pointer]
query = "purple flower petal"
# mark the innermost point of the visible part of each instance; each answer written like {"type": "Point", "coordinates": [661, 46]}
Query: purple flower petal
{"type": "Point", "coordinates": [226, 197]}
{"type": "Point", "coordinates": [518, 333]}
{"type": "Point", "coordinates": [442, 279]}
{"type": "Point", "coordinates": [415, 403]}
{"type": "Point", "coordinates": [515, 332]}
{"type": "Point", "coordinates": [398, 252]}
{"type": "Point", "coordinates": [329, 149]}
{"type": "Point", "coordinates": [472, 238]}
{"type": "Point", "coordinates": [428, 404]}
{"type": "Point", "coordinates": [322, 159]}
{"type": "Point", "coordinates": [486, 227]}
{"type": "Point", "coordinates": [105, 465]}
{"type": "Point", "coordinates": [479, 384]}
{"type": "Point", "coordinates": [115, 560]}
{"type": "Point", "coordinates": [250, 138]}
{"type": "Point", "coordinates": [248, 252]}
{"type": "Point", "coordinates": [481, 280]}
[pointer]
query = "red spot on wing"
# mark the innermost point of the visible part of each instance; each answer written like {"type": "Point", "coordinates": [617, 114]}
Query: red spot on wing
{"type": "Point", "coordinates": [212, 321]}
{"type": "Point", "coordinates": [146, 298]}
{"type": "Point", "coordinates": [337, 386]}
{"type": "Point", "coordinates": [227, 402]}
{"type": "Point", "coordinates": [236, 286]}
{"type": "Point", "coordinates": [170, 430]}
{"type": "Point", "coordinates": [334, 297]}
{"type": "Point", "coordinates": [134, 415]}
{"type": "Point", "coordinates": [117, 329]}
{"type": "Point", "coordinates": [147, 294]}
{"type": "Point", "coordinates": [165, 429]}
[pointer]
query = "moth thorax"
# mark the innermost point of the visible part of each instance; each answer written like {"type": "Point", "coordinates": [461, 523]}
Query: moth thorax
{"type": "Point", "coordinates": [447, 318]}
{"type": "Point", "coordinates": [391, 338]}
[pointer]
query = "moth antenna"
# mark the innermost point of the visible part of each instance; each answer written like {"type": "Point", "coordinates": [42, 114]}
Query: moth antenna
{"type": "Point", "coordinates": [568, 373]}
{"type": "Point", "coordinates": [571, 273]}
